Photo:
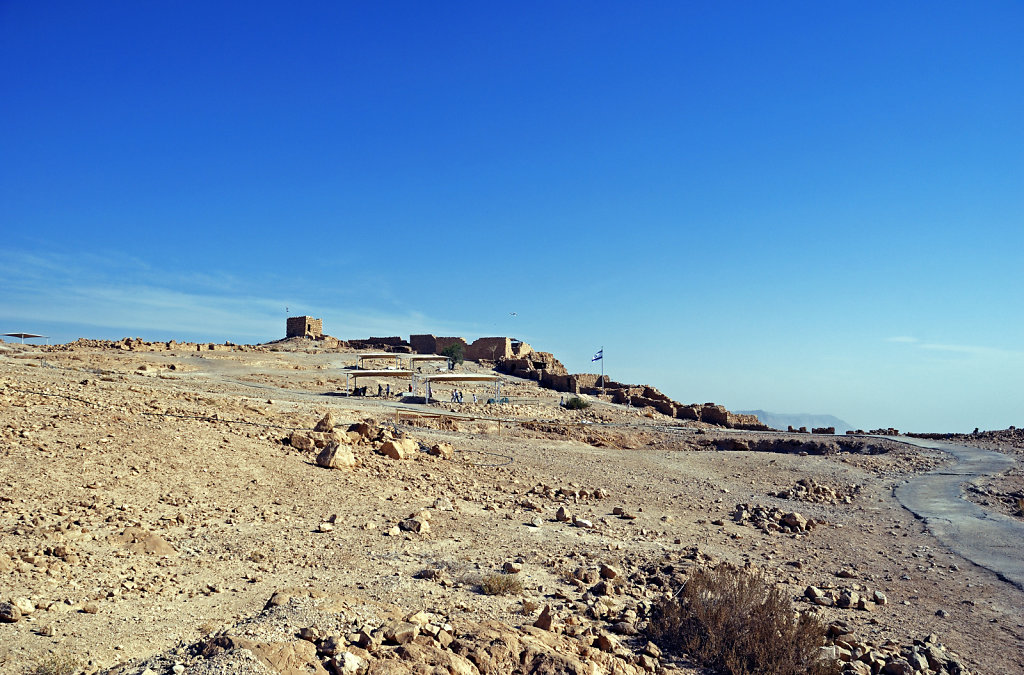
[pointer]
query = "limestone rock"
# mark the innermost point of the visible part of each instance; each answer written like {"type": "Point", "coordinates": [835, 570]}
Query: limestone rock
{"type": "Point", "coordinates": [140, 540]}
{"type": "Point", "coordinates": [544, 620]}
{"type": "Point", "coordinates": [348, 663]}
{"type": "Point", "coordinates": [326, 424]}
{"type": "Point", "coordinates": [335, 456]}
{"type": "Point", "coordinates": [417, 525]}
{"type": "Point", "coordinates": [25, 605]}
{"type": "Point", "coordinates": [794, 521]}
{"type": "Point", "coordinates": [9, 613]}
{"type": "Point", "coordinates": [401, 632]}
{"type": "Point", "coordinates": [301, 441]}
{"type": "Point", "coordinates": [442, 450]}
{"type": "Point", "coordinates": [398, 449]}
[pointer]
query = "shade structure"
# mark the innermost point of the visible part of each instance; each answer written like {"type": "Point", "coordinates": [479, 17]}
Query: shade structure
{"type": "Point", "coordinates": [388, 372]}
{"type": "Point", "coordinates": [377, 356]}
{"type": "Point", "coordinates": [460, 377]}
{"type": "Point", "coordinates": [425, 358]}
{"type": "Point", "coordinates": [23, 336]}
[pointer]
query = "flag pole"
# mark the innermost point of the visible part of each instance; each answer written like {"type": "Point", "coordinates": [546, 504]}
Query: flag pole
{"type": "Point", "coordinates": [602, 370]}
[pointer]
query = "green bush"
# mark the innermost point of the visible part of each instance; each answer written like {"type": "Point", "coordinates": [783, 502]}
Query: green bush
{"type": "Point", "coordinates": [739, 624]}
{"type": "Point", "coordinates": [454, 352]}
{"type": "Point", "coordinates": [577, 403]}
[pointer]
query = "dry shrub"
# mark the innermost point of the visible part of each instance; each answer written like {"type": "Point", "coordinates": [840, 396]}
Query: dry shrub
{"type": "Point", "coordinates": [501, 584]}
{"type": "Point", "coordinates": [55, 664]}
{"type": "Point", "coordinates": [739, 624]}
{"type": "Point", "coordinates": [529, 607]}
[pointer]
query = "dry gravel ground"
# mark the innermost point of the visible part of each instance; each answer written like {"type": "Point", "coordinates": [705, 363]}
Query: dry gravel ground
{"type": "Point", "coordinates": [144, 509]}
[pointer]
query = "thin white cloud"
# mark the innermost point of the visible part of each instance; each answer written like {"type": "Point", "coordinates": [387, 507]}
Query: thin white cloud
{"type": "Point", "coordinates": [133, 297]}
{"type": "Point", "coordinates": [977, 351]}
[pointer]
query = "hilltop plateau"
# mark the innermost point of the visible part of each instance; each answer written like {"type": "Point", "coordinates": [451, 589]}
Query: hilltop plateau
{"type": "Point", "coordinates": [176, 509]}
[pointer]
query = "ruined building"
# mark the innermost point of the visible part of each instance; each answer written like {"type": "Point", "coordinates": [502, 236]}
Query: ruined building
{"type": "Point", "coordinates": [304, 326]}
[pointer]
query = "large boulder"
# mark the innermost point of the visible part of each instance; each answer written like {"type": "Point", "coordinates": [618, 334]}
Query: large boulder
{"type": "Point", "coordinates": [336, 456]}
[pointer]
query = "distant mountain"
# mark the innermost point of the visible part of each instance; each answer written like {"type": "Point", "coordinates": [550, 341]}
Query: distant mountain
{"type": "Point", "coordinates": [797, 420]}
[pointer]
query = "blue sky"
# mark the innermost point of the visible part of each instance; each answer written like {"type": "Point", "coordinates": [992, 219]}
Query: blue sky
{"type": "Point", "coordinates": [796, 206]}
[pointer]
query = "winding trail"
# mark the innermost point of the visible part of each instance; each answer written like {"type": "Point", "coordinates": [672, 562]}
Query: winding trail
{"type": "Point", "coordinates": [988, 539]}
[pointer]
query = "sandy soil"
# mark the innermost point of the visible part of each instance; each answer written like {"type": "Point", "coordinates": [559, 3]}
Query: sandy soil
{"type": "Point", "coordinates": [152, 500]}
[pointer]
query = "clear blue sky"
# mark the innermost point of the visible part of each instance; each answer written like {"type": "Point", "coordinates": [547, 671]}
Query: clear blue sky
{"type": "Point", "coordinates": [796, 206]}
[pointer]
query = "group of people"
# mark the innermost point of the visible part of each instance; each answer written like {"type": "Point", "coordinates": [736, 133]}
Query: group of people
{"type": "Point", "coordinates": [384, 391]}
{"type": "Point", "coordinates": [457, 397]}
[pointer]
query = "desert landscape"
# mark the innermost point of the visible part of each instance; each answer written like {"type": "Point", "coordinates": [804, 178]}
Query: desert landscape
{"type": "Point", "coordinates": [179, 508]}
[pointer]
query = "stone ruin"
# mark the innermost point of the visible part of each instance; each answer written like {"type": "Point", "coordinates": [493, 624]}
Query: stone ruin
{"type": "Point", "coordinates": [304, 326]}
{"type": "Point", "coordinates": [517, 358]}
{"type": "Point", "coordinates": [549, 373]}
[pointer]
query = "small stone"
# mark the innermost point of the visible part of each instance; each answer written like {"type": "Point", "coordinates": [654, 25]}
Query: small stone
{"type": "Point", "coordinates": [401, 632]}
{"type": "Point", "coordinates": [606, 643]}
{"type": "Point", "coordinates": [25, 605]}
{"type": "Point", "coordinates": [178, 669]}
{"type": "Point", "coordinates": [442, 450]}
{"type": "Point", "coordinates": [813, 592]}
{"type": "Point", "coordinates": [9, 613]}
{"type": "Point", "coordinates": [544, 620]}
{"type": "Point", "coordinates": [348, 663]}
{"type": "Point", "coordinates": [794, 521]}
{"type": "Point", "coordinates": [417, 525]}
{"type": "Point", "coordinates": [562, 515]}
{"type": "Point", "coordinates": [609, 572]}
{"type": "Point", "coordinates": [301, 442]}
{"type": "Point", "coordinates": [512, 567]}
{"type": "Point", "coordinates": [537, 522]}
{"type": "Point", "coordinates": [90, 608]}
{"type": "Point", "coordinates": [583, 522]}
{"type": "Point", "coordinates": [326, 424]}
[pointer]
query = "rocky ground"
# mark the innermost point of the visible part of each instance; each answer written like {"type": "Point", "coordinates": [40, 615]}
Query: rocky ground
{"type": "Point", "coordinates": [165, 512]}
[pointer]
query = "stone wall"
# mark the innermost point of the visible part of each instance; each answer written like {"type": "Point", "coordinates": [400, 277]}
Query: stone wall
{"type": "Point", "coordinates": [423, 344]}
{"type": "Point", "coordinates": [304, 326]}
{"type": "Point", "coordinates": [387, 344]}
{"type": "Point", "coordinates": [443, 343]}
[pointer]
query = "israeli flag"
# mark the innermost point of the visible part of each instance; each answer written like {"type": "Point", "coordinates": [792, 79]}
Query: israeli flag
{"type": "Point", "coordinates": [598, 356]}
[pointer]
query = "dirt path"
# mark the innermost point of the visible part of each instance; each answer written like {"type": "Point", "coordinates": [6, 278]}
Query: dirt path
{"type": "Point", "coordinates": [983, 537]}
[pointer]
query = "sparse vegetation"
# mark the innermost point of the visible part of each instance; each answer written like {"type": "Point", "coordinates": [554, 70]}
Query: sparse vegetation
{"type": "Point", "coordinates": [739, 624]}
{"type": "Point", "coordinates": [501, 584]}
{"type": "Point", "coordinates": [529, 607]}
{"type": "Point", "coordinates": [577, 403]}
{"type": "Point", "coordinates": [55, 664]}
{"type": "Point", "coordinates": [454, 352]}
